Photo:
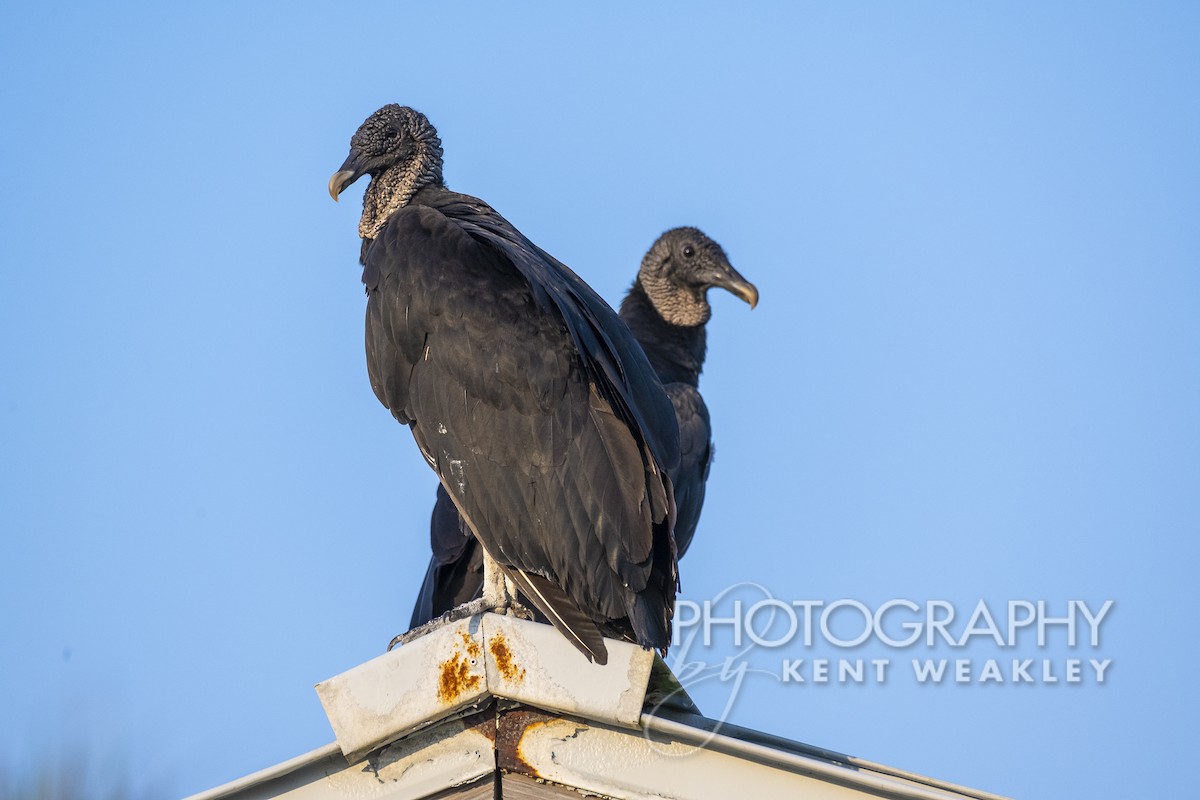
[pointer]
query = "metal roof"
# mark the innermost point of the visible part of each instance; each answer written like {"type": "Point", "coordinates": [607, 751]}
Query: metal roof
{"type": "Point", "coordinates": [495, 706]}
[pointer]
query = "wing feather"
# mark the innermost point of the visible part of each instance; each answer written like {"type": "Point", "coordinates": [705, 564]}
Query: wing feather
{"type": "Point", "coordinates": [521, 395]}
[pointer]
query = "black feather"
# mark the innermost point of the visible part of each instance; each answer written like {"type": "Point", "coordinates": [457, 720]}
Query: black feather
{"type": "Point", "coordinates": [528, 396]}
{"type": "Point", "coordinates": [676, 352]}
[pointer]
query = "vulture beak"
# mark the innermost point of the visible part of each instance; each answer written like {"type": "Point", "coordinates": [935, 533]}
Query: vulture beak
{"type": "Point", "coordinates": [730, 280]}
{"type": "Point", "coordinates": [353, 168]}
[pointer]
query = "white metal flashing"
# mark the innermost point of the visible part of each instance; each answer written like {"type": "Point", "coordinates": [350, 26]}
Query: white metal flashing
{"type": "Point", "coordinates": [450, 754]}
{"type": "Point", "coordinates": [402, 734]}
{"type": "Point", "coordinates": [849, 772]}
{"type": "Point", "coordinates": [543, 669]}
{"type": "Point", "coordinates": [291, 768]}
{"type": "Point", "coordinates": [632, 766]}
{"type": "Point", "coordinates": [461, 665]}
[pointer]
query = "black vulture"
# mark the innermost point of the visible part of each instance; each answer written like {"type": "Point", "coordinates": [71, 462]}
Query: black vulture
{"type": "Point", "coordinates": [667, 309]}
{"type": "Point", "coordinates": [525, 392]}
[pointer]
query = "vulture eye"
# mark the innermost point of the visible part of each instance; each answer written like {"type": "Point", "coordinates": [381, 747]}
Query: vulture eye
{"type": "Point", "coordinates": [688, 251]}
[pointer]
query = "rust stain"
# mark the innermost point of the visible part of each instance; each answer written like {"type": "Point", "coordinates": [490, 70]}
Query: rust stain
{"type": "Point", "coordinates": [531, 725]}
{"type": "Point", "coordinates": [511, 727]}
{"type": "Point", "coordinates": [483, 722]}
{"type": "Point", "coordinates": [470, 644]}
{"type": "Point", "coordinates": [508, 666]}
{"type": "Point", "coordinates": [455, 678]}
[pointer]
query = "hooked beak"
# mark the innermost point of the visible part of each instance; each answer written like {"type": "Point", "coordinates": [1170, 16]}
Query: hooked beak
{"type": "Point", "coordinates": [731, 281]}
{"type": "Point", "coordinates": [353, 168]}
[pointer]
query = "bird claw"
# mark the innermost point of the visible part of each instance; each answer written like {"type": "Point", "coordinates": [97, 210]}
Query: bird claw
{"type": "Point", "coordinates": [515, 609]}
{"type": "Point", "coordinates": [477, 606]}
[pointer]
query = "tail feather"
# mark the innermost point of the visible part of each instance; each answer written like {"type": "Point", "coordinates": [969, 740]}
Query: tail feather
{"type": "Point", "coordinates": [562, 612]}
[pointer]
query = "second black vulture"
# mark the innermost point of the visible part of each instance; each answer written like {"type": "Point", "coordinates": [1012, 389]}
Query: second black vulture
{"type": "Point", "coordinates": [526, 394]}
{"type": "Point", "coordinates": [667, 310]}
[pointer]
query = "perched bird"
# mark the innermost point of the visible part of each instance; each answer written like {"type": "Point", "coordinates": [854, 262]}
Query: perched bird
{"type": "Point", "coordinates": [526, 394]}
{"type": "Point", "coordinates": [667, 309]}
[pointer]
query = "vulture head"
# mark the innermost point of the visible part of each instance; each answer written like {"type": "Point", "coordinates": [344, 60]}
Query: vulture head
{"type": "Point", "coordinates": [399, 148]}
{"type": "Point", "coordinates": [678, 271]}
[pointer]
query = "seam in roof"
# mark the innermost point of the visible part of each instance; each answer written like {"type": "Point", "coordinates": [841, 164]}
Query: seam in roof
{"type": "Point", "coordinates": [878, 780]}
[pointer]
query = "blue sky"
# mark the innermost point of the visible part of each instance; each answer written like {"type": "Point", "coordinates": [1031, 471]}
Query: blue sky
{"type": "Point", "coordinates": [973, 373]}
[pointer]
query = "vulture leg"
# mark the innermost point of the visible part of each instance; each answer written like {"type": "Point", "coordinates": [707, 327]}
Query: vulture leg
{"type": "Point", "coordinates": [499, 595]}
{"type": "Point", "coordinates": [499, 591]}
